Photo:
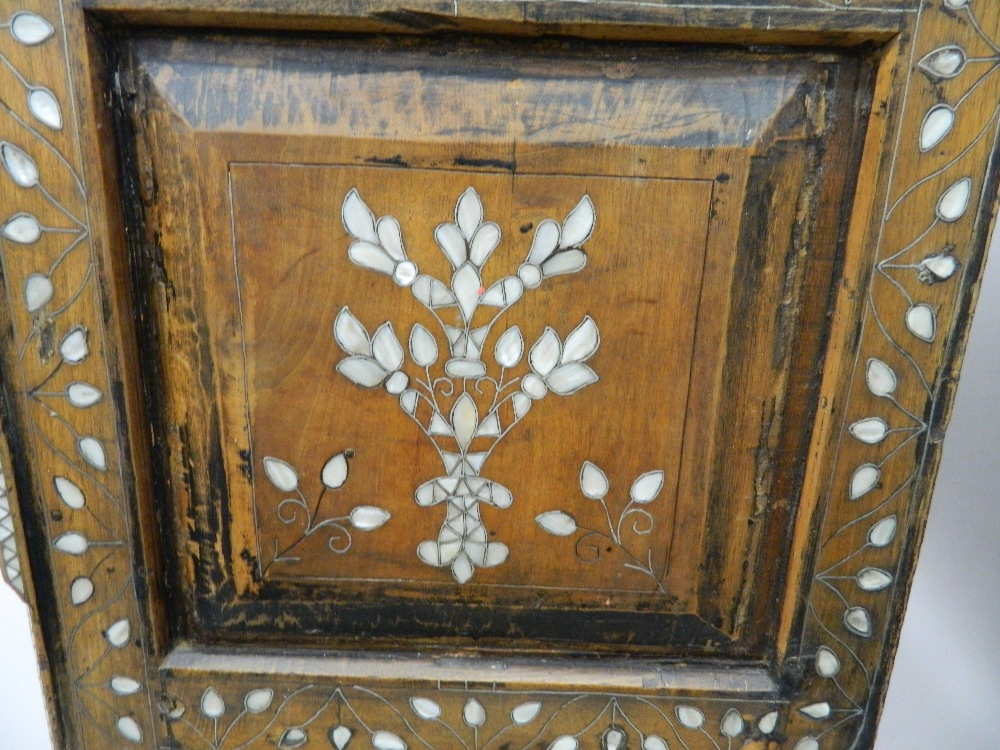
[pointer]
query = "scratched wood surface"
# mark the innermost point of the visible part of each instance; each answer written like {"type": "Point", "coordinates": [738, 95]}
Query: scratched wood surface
{"type": "Point", "coordinates": [782, 252]}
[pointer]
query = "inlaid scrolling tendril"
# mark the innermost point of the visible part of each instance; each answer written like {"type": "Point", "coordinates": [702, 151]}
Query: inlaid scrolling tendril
{"type": "Point", "coordinates": [466, 412]}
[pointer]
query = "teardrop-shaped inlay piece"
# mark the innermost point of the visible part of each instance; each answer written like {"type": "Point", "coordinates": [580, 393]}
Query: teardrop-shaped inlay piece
{"type": "Point", "coordinates": [43, 105]}
{"type": "Point", "coordinates": [340, 736]}
{"type": "Point", "coordinates": [425, 708]}
{"type": "Point", "coordinates": [816, 710]}
{"type": "Point", "coordinates": [129, 729]}
{"type": "Point", "coordinates": [72, 543]}
{"type": "Point", "coordinates": [873, 579]}
{"type": "Point", "coordinates": [119, 633]}
{"type": "Point", "coordinates": [807, 743]}
{"type": "Point", "coordinates": [690, 717]}
{"type": "Point", "coordinates": [525, 713]}
{"type": "Point", "coordinates": [69, 492]}
{"type": "Point", "coordinates": [74, 348]}
{"type": "Point", "coordinates": [944, 62]}
{"type": "Point", "coordinates": [212, 704]}
{"type": "Point", "coordinates": [922, 322]}
{"type": "Point", "coordinates": [872, 430]}
{"type": "Point", "coordinates": [259, 700]}
{"type": "Point", "coordinates": [23, 229]}
{"type": "Point", "coordinates": [858, 621]}
{"type": "Point", "coordinates": [81, 590]}
{"type": "Point", "coordinates": [880, 378]}
{"type": "Point", "coordinates": [732, 724]}
{"type": "Point", "coordinates": [883, 532]}
{"type": "Point", "coordinates": [383, 740]}
{"type": "Point", "coordinates": [92, 451]}
{"type": "Point", "coordinates": [30, 28]}
{"type": "Point", "coordinates": [38, 292]}
{"type": "Point", "coordinates": [955, 201]}
{"type": "Point", "coordinates": [82, 395]}
{"type": "Point", "coordinates": [864, 480]}
{"type": "Point", "coordinates": [827, 663]}
{"type": "Point", "coordinates": [937, 124]}
{"type": "Point", "coordinates": [124, 686]}
{"type": "Point", "coordinates": [21, 167]}
{"type": "Point", "coordinates": [474, 713]}
{"type": "Point", "coordinates": [768, 722]}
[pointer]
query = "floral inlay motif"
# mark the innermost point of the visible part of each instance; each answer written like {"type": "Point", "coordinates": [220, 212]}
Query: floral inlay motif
{"type": "Point", "coordinates": [446, 408]}
{"type": "Point", "coordinates": [633, 519]}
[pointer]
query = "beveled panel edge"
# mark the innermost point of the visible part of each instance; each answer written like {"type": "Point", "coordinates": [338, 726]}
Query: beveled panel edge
{"type": "Point", "coordinates": [606, 675]}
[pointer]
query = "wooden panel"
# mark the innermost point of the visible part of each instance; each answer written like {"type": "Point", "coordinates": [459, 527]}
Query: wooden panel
{"type": "Point", "coordinates": [130, 550]}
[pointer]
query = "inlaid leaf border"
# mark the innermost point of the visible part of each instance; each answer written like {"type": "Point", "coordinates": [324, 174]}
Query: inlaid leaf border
{"type": "Point", "coordinates": [59, 371]}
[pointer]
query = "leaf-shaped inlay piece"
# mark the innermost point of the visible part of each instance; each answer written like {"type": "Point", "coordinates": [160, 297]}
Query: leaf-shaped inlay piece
{"type": "Point", "coordinates": [464, 420]}
{"type": "Point", "coordinates": [82, 394]}
{"type": "Point", "coordinates": [21, 167]}
{"type": "Point", "coordinates": [91, 450]}
{"type": "Point", "coordinates": [613, 739]}
{"type": "Point", "coordinates": [505, 292]}
{"type": "Point", "coordinates": [340, 736]}
{"type": "Point", "coordinates": [386, 348]}
{"type": "Point", "coordinates": [454, 246]}
{"type": "Point", "coordinates": [922, 322]}
{"type": "Point", "coordinates": [954, 201]}
{"type": "Point", "coordinates": [582, 342]}
{"type": "Point", "coordinates": [579, 224]}
{"type": "Point", "coordinates": [565, 742]}
{"type": "Point", "coordinates": [816, 710]}
{"type": "Point", "coordinates": [368, 517]}
{"type": "Point", "coordinates": [81, 590]}
{"type": "Point", "coordinates": [864, 480]}
{"type": "Point", "coordinates": [690, 717]}
{"type": "Point", "coordinates": [69, 493]}
{"type": "Point", "coordinates": [871, 430]}
{"type": "Point", "coordinates": [647, 487]}
{"type": "Point", "coordinates": [484, 243]}
{"type": "Point", "coordinates": [124, 685]}
{"type": "Point", "coordinates": [883, 532]}
{"type": "Point", "coordinates": [30, 28]}
{"type": "Point", "coordinates": [292, 738]}
{"type": "Point", "coordinates": [654, 742]}
{"type": "Point", "coordinates": [768, 722]}
{"type": "Point", "coordinates": [423, 346]}
{"type": "Point", "coordinates": [544, 243]}
{"type": "Point", "coordinates": [873, 579]}
{"type": "Point", "coordinates": [74, 348]}
{"type": "Point", "coordinates": [129, 729]}
{"type": "Point", "coordinates": [23, 229]}
{"type": "Point", "coordinates": [732, 723]}
{"type": "Point", "coordinates": [525, 713]}
{"type": "Point", "coordinates": [937, 124]}
{"type": "Point", "coordinates": [858, 621]}
{"type": "Point", "coordinates": [827, 662]}
{"type": "Point", "coordinates": [350, 334]}
{"type": "Point", "coordinates": [544, 355]}
{"type": "Point", "coordinates": [258, 701]}
{"type": "Point", "coordinates": [335, 471]}
{"type": "Point", "coordinates": [281, 474]}
{"type": "Point", "coordinates": [119, 633]}
{"type": "Point", "coordinates": [390, 237]}
{"type": "Point", "coordinates": [563, 262]}
{"type": "Point", "coordinates": [432, 292]}
{"type": "Point", "coordinates": [593, 481]}
{"type": "Point", "coordinates": [556, 522]}
{"type": "Point", "coordinates": [71, 543]}
{"type": "Point", "coordinates": [383, 740]}
{"type": "Point", "coordinates": [38, 291]}
{"type": "Point", "coordinates": [43, 105]}
{"type": "Point", "coordinates": [474, 713]}
{"type": "Point", "coordinates": [566, 380]}
{"type": "Point", "coordinates": [363, 371]}
{"type": "Point", "coordinates": [807, 743]}
{"type": "Point", "coordinates": [469, 212]}
{"type": "Point", "coordinates": [944, 62]}
{"type": "Point", "coordinates": [358, 219]}
{"type": "Point", "coordinates": [467, 287]}
{"type": "Point", "coordinates": [212, 704]}
{"type": "Point", "coordinates": [509, 348]}
{"type": "Point", "coordinates": [880, 378]}
{"type": "Point", "coordinates": [425, 708]}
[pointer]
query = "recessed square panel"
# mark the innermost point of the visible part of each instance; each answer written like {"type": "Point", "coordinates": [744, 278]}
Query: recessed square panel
{"type": "Point", "coordinates": [464, 357]}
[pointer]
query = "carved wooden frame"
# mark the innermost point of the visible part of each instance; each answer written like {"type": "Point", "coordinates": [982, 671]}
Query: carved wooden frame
{"type": "Point", "coordinates": [86, 532]}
